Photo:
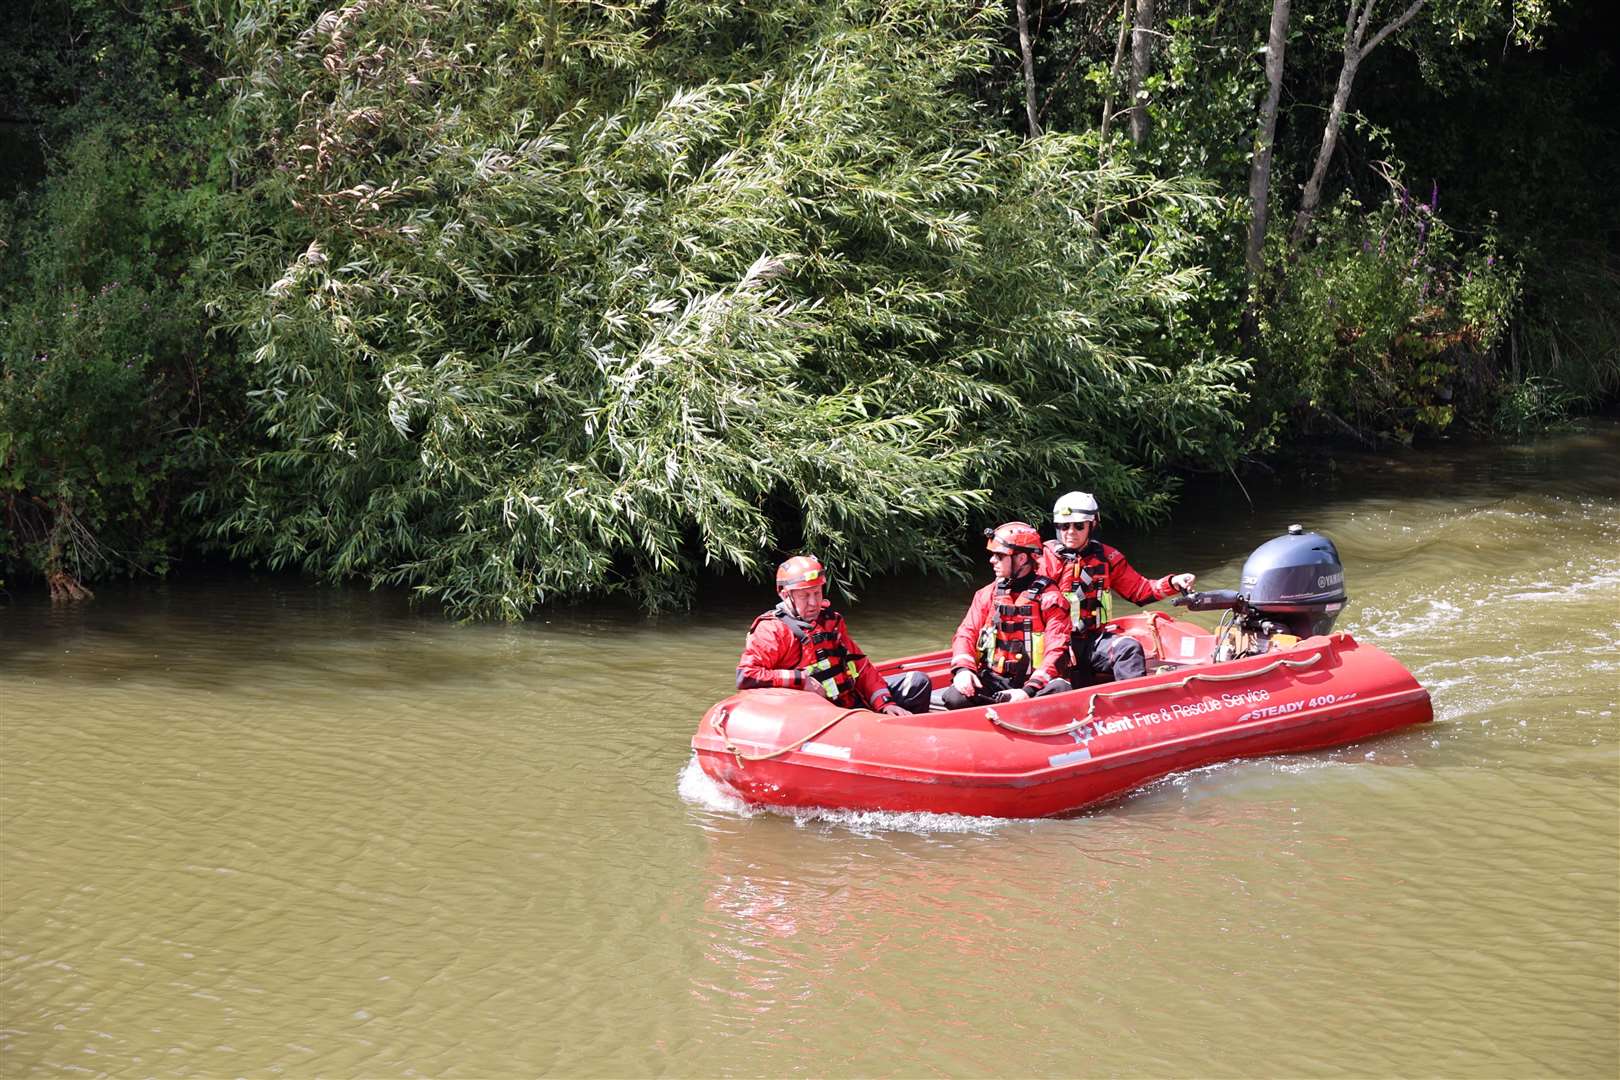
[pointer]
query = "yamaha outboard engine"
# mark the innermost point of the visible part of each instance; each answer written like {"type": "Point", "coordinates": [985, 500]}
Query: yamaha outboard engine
{"type": "Point", "coordinates": [1295, 581]}
{"type": "Point", "coordinates": [1292, 585]}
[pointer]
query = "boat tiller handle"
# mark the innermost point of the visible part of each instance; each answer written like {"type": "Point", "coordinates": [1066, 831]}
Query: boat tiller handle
{"type": "Point", "coordinates": [1213, 600]}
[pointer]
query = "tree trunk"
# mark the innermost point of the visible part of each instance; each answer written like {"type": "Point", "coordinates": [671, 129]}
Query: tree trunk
{"type": "Point", "coordinates": [1260, 166]}
{"type": "Point", "coordinates": [1356, 47]}
{"type": "Point", "coordinates": [1113, 72]}
{"type": "Point", "coordinates": [1312, 198]}
{"type": "Point", "coordinates": [1265, 136]}
{"type": "Point", "coordinates": [1027, 48]}
{"type": "Point", "coordinates": [1141, 68]}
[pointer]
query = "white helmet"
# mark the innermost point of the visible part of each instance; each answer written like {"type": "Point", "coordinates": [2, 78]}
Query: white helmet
{"type": "Point", "coordinates": [1075, 506]}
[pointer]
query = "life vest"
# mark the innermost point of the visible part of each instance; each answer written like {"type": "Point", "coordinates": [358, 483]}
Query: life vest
{"type": "Point", "coordinates": [1090, 599]}
{"type": "Point", "coordinates": [822, 654]}
{"type": "Point", "coordinates": [1013, 641]}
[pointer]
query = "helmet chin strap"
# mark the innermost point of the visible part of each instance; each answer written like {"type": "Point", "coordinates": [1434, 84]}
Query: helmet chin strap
{"type": "Point", "coordinates": [791, 601]}
{"type": "Point", "coordinates": [1029, 567]}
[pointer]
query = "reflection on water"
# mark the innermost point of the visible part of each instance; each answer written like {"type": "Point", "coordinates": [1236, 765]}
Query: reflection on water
{"type": "Point", "coordinates": [250, 827]}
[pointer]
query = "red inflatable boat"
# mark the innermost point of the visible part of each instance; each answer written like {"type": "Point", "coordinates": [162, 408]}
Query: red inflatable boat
{"type": "Point", "coordinates": [1057, 754]}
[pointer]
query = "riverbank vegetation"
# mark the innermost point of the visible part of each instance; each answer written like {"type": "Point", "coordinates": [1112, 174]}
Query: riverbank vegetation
{"type": "Point", "coordinates": [517, 302]}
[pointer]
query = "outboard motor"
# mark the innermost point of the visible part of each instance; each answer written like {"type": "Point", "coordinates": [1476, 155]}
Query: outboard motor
{"type": "Point", "coordinates": [1297, 581]}
{"type": "Point", "coordinates": [1292, 585]}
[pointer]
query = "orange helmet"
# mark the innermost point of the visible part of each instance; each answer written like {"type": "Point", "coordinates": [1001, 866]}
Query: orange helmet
{"type": "Point", "coordinates": [800, 572]}
{"type": "Point", "coordinates": [1013, 537]}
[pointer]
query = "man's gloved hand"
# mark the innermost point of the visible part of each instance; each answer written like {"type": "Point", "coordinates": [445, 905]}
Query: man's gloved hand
{"type": "Point", "coordinates": [1184, 582]}
{"type": "Point", "coordinates": [891, 709]}
{"type": "Point", "coordinates": [967, 684]}
{"type": "Point", "coordinates": [1007, 697]}
{"type": "Point", "coordinates": [813, 684]}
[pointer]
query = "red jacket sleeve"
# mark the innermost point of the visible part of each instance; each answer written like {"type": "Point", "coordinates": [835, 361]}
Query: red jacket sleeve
{"type": "Point", "coordinates": [1053, 566]}
{"type": "Point", "coordinates": [1133, 586]}
{"type": "Point", "coordinates": [1060, 571]}
{"type": "Point", "coordinates": [770, 657]}
{"type": "Point", "coordinates": [965, 645]}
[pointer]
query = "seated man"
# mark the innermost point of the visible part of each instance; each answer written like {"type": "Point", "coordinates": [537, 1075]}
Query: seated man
{"type": "Point", "coordinates": [803, 644]}
{"type": "Point", "coordinates": [1087, 570]}
{"type": "Point", "coordinates": [1016, 631]}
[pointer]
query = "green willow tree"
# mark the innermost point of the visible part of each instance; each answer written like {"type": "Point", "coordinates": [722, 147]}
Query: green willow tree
{"type": "Point", "coordinates": [549, 299]}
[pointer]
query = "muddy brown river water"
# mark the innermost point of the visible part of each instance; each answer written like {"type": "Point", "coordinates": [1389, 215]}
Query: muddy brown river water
{"type": "Point", "coordinates": [250, 827]}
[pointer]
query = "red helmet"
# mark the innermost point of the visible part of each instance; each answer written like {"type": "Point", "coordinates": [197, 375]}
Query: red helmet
{"type": "Point", "coordinates": [1013, 537]}
{"type": "Point", "coordinates": [800, 572]}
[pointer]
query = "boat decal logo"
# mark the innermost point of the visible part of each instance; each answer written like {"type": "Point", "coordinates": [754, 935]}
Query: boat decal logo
{"type": "Point", "coordinates": [821, 749]}
{"type": "Point", "coordinates": [1288, 707]}
{"type": "Point", "coordinates": [1182, 710]}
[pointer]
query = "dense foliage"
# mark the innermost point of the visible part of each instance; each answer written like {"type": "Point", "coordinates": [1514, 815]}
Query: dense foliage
{"type": "Point", "coordinates": [1387, 320]}
{"type": "Point", "coordinates": [114, 404]}
{"type": "Point", "coordinates": [539, 299]}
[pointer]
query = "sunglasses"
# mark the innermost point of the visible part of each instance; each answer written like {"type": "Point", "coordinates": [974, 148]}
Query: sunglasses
{"type": "Point", "coordinates": [1076, 525]}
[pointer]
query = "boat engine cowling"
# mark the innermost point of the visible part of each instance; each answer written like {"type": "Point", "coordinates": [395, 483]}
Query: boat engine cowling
{"type": "Point", "coordinates": [1296, 581]}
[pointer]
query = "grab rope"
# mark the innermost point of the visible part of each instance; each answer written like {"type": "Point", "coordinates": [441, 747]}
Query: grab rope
{"type": "Point", "coordinates": [719, 725]}
{"type": "Point", "coordinates": [1154, 618]}
{"type": "Point", "coordinates": [1180, 684]}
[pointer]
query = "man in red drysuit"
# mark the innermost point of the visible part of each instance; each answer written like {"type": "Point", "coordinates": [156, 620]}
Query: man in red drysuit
{"type": "Point", "coordinates": [1087, 571]}
{"type": "Point", "coordinates": [803, 644]}
{"type": "Point", "coordinates": [1015, 636]}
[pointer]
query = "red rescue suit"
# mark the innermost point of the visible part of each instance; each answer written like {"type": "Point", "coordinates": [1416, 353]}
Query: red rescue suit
{"type": "Point", "coordinates": [1018, 629]}
{"type": "Point", "coordinates": [783, 650]}
{"type": "Point", "coordinates": [1087, 576]}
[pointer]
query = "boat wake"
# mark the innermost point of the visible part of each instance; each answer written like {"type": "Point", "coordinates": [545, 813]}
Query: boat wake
{"type": "Point", "coordinates": [700, 789]}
